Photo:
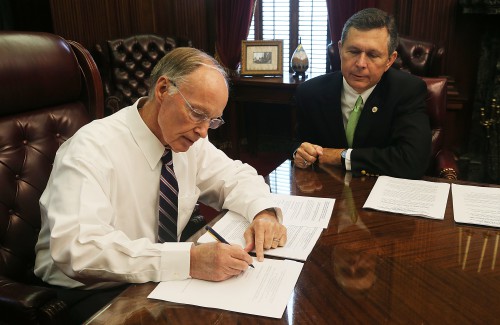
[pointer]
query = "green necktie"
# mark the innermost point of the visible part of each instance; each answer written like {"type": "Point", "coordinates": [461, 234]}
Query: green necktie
{"type": "Point", "coordinates": [353, 120]}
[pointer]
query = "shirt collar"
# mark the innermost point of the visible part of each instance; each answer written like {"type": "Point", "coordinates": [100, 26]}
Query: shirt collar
{"type": "Point", "coordinates": [149, 144]}
{"type": "Point", "coordinates": [352, 95]}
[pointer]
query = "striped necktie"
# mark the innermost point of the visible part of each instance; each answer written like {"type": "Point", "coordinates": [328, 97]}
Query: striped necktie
{"type": "Point", "coordinates": [167, 216]}
{"type": "Point", "coordinates": [353, 121]}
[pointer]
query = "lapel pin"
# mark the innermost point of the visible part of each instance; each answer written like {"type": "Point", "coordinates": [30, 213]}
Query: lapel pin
{"type": "Point", "coordinates": [374, 109]}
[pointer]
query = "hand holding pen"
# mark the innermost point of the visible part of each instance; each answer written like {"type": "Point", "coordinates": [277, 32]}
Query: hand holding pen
{"type": "Point", "coordinates": [217, 261]}
{"type": "Point", "coordinates": [219, 238]}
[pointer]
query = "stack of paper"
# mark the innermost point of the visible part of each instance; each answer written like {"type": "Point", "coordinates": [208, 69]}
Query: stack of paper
{"type": "Point", "coordinates": [411, 197]}
{"type": "Point", "coordinates": [476, 205]}
{"type": "Point", "coordinates": [304, 217]}
{"type": "Point", "coordinates": [266, 289]}
{"type": "Point", "coordinates": [263, 291]}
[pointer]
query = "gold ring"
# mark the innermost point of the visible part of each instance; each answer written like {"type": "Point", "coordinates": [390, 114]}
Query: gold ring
{"type": "Point", "coordinates": [305, 162]}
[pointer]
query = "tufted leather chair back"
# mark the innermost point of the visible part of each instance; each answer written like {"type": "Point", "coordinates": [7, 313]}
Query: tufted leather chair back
{"type": "Point", "coordinates": [126, 64]}
{"type": "Point", "coordinates": [50, 88]}
{"type": "Point", "coordinates": [418, 57]}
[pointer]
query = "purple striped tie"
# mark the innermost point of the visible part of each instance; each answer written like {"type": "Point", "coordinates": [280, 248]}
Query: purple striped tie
{"type": "Point", "coordinates": [167, 217]}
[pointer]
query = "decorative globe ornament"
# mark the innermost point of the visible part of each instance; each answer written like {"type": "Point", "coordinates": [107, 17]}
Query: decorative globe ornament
{"type": "Point", "coordinates": [299, 61]}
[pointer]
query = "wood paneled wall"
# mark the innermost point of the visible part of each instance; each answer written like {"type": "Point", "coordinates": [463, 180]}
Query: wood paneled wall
{"type": "Point", "coordinates": [94, 21]}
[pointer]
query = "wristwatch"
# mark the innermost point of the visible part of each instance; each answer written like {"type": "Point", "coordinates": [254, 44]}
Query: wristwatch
{"type": "Point", "coordinates": [343, 154]}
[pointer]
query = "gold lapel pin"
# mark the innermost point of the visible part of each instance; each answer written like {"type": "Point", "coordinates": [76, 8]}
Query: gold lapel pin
{"type": "Point", "coordinates": [374, 109]}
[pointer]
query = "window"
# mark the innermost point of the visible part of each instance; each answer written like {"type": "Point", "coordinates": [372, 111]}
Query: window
{"type": "Point", "coordinates": [290, 20]}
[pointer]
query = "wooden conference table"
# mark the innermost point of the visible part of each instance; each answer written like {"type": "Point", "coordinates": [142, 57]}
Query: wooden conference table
{"type": "Point", "coordinates": [381, 269]}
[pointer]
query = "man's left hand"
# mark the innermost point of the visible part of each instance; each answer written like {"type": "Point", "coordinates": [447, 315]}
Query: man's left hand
{"type": "Point", "coordinates": [264, 232]}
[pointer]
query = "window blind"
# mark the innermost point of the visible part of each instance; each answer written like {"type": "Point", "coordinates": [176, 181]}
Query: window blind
{"type": "Point", "coordinates": [312, 26]}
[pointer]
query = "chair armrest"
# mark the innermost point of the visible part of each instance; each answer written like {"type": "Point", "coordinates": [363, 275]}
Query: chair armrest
{"type": "Point", "coordinates": [26, 304]}
{"type": "Point", "coordinates": [437, 62]}
{"type": "Point", "coordinates": [446, 166]}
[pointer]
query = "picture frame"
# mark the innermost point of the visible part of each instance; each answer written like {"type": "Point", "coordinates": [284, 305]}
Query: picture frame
{"type": "Point", "coordinates": [262, 58]}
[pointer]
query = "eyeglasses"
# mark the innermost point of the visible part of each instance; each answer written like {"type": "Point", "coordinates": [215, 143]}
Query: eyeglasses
{"type": "Point", "coordinates": [198, 116]}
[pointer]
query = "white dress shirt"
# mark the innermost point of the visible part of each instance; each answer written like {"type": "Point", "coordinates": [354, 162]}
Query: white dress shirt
{"type": "Point", "coordinates": [100, 207]}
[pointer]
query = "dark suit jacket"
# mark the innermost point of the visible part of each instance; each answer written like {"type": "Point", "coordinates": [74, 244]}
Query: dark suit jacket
{"type": "Point", "coordinates": [393, 135]}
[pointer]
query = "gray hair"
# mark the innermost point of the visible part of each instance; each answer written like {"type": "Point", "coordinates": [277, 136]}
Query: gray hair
{"type": "Point", "coordinates": [371, 18]}
{"type": "Point", "coordinates": [177, 64]}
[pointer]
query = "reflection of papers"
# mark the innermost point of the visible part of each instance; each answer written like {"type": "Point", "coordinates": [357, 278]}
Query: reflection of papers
{"type": "Point", "coordinates": [300, 240]}
{"type": "Point", "coordinates": [263, 291]}
{"type": "Point", "coordinates": [476, 205]}
{"type": "Point", "coordinates": [411, 197]}
{"type": "Point", "coordinates": [304, 210]}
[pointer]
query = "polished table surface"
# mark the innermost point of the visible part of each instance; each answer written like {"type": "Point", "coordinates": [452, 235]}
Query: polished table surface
{"type": "Point", "coordinates": [368, 267]}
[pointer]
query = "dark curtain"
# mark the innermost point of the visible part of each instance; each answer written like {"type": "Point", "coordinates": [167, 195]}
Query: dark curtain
{"type": "Point", "coordinates": [233, 19]}
{"type": "Point", "coordinates": [6, 20]}
{"type": "Point", "coordinates": [338, 12]}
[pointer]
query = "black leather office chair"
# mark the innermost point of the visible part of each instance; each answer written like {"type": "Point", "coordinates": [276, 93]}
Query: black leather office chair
{"type": "Point", "coordinates": [126, 64]}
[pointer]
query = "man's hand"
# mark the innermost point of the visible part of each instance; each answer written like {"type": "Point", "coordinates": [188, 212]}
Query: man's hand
{"type": "Point", "coordinates": [218, 261]}
{"type": "Point", "coordinates": [264, 232]}
{"type": "Point", "coordinates": [331, 156]}
{"type": "Point", "coordinates": [307, 154]}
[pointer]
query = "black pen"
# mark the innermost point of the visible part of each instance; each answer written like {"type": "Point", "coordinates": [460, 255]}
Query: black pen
{"type": "Point", "coordinates": [219, 238]}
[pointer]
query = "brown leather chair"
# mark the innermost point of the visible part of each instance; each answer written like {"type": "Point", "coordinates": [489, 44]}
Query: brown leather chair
{"type": "Point", "coordinates": [420, 58]}
{"type": "Point", "coordinates": [50, 88]}
{"type": "Point", "coordinates": [443, 163]}
{"type": "Point", "coordinates": [126, 64]}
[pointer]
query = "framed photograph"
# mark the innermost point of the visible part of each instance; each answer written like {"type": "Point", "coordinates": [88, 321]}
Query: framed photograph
{"type": "Point", "coordinates": [262, 58]}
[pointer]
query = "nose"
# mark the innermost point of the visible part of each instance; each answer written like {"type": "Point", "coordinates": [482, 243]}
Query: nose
{"type": "Point", "coordinates": [202, 129]}
{"type": "Point", "coordinates": [361, 61]}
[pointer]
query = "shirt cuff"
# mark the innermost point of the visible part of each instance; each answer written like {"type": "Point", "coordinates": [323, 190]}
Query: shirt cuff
{"type": "Point", "coordinates": [348, 159]}
{"type": "Point", "coordinates": [263, 204]}
{"type": "Point", "coordinates": [175, 261]}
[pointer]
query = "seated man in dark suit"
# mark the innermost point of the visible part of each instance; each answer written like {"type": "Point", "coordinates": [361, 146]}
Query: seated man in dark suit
{"type": "Point", "coordinates": [368, 117]}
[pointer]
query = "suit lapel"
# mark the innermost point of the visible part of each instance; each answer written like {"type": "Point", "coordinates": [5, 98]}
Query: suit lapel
{"type": "Point", "coordinates": [332, 112]}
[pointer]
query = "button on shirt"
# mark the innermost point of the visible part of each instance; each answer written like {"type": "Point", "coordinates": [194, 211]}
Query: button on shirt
{"type": "Point", "coordinates": [100, 207]}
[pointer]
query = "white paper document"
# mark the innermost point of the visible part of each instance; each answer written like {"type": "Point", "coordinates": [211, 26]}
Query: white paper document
{"type": "Point", "coordinates": [410, 197]}
{"type": "Point", "coordinates": [300, 240]}
{"type": "Point", "coordinates": [305, 210]}
{"type": "Point", "coordinates": [263, 291]}
{"type": "Point", "coordinates": [304, 217]}
{"type": "Point", "coordinates": [476, 205]}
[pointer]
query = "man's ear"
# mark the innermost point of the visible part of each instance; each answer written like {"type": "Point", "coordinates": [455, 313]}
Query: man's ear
{"type": "Point", "coordinates": [339, 45]}
{"type": "Point", "coordinates": [391, 60]}
{"type": "Point", "coordinates": [161, 87]}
